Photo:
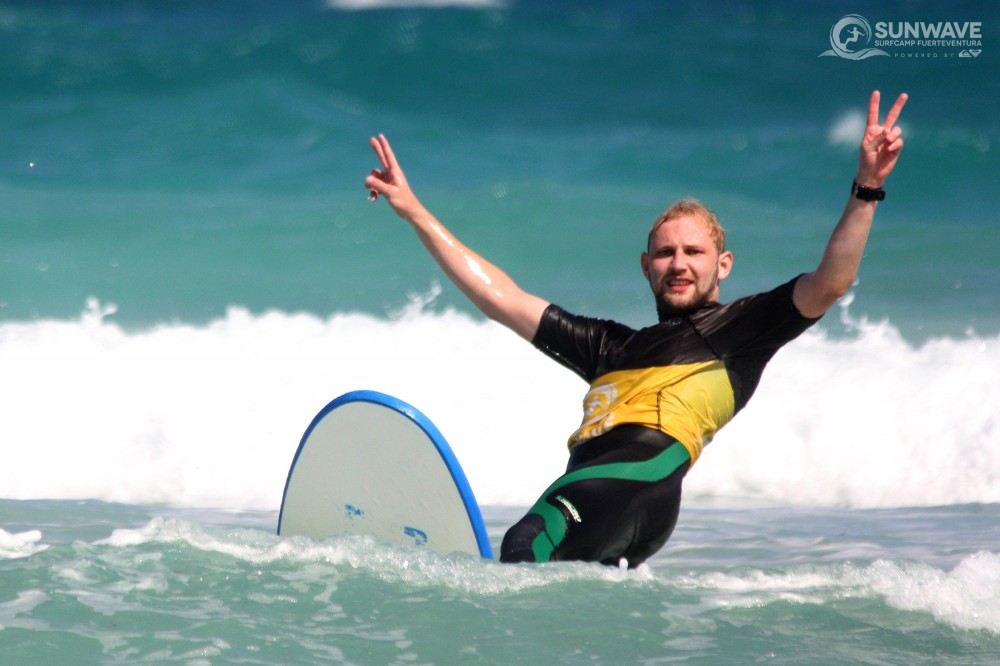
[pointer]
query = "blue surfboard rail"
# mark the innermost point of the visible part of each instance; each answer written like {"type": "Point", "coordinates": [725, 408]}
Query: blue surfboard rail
{"type": "Point", "coordinates": [432, 432]}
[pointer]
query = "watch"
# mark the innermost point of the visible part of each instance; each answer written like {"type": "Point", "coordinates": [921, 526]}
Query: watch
{"type": "Point", "coordinates": [867, 193]}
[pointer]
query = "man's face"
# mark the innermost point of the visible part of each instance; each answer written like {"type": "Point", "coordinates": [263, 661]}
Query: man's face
{"type": "Point", "coordinates": [683, 266]}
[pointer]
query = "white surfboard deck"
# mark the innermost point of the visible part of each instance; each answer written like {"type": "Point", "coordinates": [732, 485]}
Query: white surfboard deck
{"type": "Point", "coordinates": [371, 464]}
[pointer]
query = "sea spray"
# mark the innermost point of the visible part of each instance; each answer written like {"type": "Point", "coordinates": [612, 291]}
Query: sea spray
{"type": "Point", "coordinates": [210, 415]}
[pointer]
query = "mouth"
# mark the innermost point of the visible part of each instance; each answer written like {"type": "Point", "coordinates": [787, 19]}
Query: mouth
{"type": "Point", "coordinates": [678, 286]}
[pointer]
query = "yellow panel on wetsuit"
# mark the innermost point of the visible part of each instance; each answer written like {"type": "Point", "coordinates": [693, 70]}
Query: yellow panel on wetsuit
{"type": "Point", "coordinates": [689, 402]}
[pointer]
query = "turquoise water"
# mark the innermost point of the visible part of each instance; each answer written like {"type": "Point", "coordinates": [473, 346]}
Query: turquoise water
{"type": "Point", "coordinates": [749, 586]}
{"type": "Point", "coordinates": [190, 270]}
{"type": "Point", "coordinates": [177, 159]}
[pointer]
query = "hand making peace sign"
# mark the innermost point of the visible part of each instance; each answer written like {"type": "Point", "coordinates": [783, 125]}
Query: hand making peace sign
{"type": "Point", "coordinates": [881, 143]}
{"type": "Point", "coordinates": [389, 181]}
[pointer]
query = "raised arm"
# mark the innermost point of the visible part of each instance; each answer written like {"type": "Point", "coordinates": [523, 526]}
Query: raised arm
{"type": "Point", "coordinates": [488, 287]}
{"type": "Point", "coordinates": [815, 292]}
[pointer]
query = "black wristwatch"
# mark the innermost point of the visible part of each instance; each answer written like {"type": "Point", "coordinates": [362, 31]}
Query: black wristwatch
{"type": "Point", "coordinates": [867, 193]}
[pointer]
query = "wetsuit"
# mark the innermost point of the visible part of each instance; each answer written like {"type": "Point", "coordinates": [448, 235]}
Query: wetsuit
{"type": "Point", "coordinates": [657, 396]}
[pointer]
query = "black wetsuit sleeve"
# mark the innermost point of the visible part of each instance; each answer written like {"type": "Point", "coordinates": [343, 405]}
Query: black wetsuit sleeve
{"type": "Point", "coordinates": [579, 343]}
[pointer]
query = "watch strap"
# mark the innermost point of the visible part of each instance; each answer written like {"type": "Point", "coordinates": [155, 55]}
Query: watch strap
{"type": "Point", "coordinates": [867, 193]}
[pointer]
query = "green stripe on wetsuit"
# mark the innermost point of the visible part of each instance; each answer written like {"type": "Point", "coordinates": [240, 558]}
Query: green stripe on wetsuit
{"type": "Point", "coordinates": [655, 469]}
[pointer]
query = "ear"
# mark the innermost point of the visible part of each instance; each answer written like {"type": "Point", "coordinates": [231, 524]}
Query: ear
{"type": "Point", "coordinates": [725, 264]}
{"type": "Point", "coordinates": [644, 261]}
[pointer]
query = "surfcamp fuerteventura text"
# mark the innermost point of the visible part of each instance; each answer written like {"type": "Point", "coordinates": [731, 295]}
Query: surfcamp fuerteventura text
{"type": "Point", "coordinates": [854, 38]}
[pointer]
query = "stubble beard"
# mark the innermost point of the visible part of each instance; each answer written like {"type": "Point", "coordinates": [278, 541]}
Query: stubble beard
{"type": "Point", "coordinates": [667, 310]}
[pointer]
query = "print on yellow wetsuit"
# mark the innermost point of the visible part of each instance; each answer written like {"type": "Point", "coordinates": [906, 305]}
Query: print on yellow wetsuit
{"type": "Point", "coordinates": [686, 376]}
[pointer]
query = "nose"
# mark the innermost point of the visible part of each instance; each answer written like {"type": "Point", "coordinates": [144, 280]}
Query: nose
{"type": "Point", "coordinates": [678, 262]}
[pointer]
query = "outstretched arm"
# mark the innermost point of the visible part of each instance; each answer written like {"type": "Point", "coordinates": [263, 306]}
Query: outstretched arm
{"type": "Point", "coordinates": [815, 292]}
{"type": "Point", "coordinates": [488, 287]}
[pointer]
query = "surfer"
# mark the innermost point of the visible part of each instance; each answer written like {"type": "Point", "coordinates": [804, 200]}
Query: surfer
{"type": "Point", "coordinates": [657, 395]}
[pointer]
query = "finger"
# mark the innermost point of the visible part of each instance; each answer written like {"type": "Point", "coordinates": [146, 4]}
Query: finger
{"type": "Point", "coordinates": [374, 184]}
{"type": "Point", "coordinates": [876, 143]}
{"type": "Point", "coordinates": [873, 108]}
{"type": "Point", "coordinates": [887, 138]}
{"type": "Point", "coordinates": [887, 142]}
{"type": "Point", "coordinates": [894, 112]}
{"type": "Point", "coordinates": [390, 157]}
{"type": "Point", "coordinates": [377, 145]}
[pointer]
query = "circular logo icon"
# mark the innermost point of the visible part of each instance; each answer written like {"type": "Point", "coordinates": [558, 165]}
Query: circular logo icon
{"type": "Point", "coordinates": [849, 38]}
{"type": "Point", "coordinates": [850, 34]}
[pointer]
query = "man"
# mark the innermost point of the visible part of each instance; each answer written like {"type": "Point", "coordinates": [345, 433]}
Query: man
{"type": "Point", "coordinates": [659, 394]}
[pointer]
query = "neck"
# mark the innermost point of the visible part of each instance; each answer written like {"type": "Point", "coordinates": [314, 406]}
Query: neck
{"type": "Point", "coordinates": [665, 311]}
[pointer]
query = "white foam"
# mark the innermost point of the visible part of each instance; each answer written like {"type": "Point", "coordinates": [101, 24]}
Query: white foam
{"type": "Point", "coordinates": [865, 422]}
{"type": "Point", "coordinates": [967, 597]}
{"type": "Point", "coordinates": [210, 416]}
{"type": "Point", "coordinates": [22, 544]}
{"type": "Point", "coordinates": [414, 566]}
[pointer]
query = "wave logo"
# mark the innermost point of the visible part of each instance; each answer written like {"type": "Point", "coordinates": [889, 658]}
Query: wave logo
{"type": "Point", "coordinates": [597, 417]}
{"type": "Point", "coordinates": [850, 37]}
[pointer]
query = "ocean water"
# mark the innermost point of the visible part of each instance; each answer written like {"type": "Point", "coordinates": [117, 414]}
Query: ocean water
{"type": "Point", "coordinates": [190, 270]}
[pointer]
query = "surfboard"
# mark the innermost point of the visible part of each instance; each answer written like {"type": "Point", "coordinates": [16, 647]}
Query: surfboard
{"type": "Point", "coordinates": [372, 464]}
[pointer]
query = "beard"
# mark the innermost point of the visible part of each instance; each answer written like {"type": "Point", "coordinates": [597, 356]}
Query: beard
{"type": "Point", "coordinates": [667, 308]}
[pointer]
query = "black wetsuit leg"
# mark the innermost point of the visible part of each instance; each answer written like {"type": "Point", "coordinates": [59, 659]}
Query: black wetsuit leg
{"type": "Point", "coordinates": [619, 498]}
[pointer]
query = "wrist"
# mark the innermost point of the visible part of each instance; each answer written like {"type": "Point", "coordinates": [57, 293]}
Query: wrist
{"type": "Point", "coordinates": [871, 182]}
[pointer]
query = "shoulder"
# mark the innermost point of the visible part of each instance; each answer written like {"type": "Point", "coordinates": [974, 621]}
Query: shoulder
{"type": "Point", "coordinates": [577, 341]}
{"type": "Point", "coordinates": [778, 303]}
{"type": "Point", "coordinates": [559, 322]}
{"type": "Point", "coordinates": [766, 319]}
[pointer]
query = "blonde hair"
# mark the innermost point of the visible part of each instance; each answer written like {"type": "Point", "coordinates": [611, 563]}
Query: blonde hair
{"type": "Point", "coordinates": [695, 208]}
